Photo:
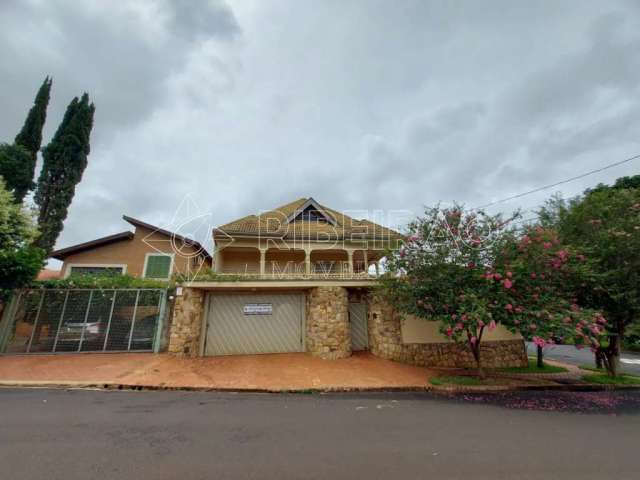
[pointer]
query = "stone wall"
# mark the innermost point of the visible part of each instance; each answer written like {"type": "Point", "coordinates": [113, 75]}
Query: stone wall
{"type": "Point", "coordinates": [385, 340]}
{"type": "Point", "coordinates": [186, 323]}
{"type": "Point", "coordinates": [328, 334]}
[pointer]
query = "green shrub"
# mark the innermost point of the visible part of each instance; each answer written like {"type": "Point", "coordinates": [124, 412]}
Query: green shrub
{"type": "Point", "coordinates": [101, 282]}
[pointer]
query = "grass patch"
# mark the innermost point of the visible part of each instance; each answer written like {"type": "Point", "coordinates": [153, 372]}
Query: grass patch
{"type": "Point", "coordinates": [532, 368]}
{"type": "Point", "coordinates": [607, 380]}
{"type": "Point", "coordinates": [591, 368]}
{"type": "Point", "coordinates": [456, 380]}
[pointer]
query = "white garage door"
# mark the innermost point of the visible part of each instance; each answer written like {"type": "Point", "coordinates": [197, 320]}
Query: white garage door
{"type": "Point", "coordinates": [254, 323]}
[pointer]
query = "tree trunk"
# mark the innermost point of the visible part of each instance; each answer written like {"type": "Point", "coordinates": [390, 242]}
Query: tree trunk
{"type": "Point", "coordinates": [598, 356]}
{"type": "Point", "coordinates": [610, 356]}
{"type": "Point", "coordinates": [615, 347]}
{"type": "Point", "coordinates": [475, 349]}
{"type": "Point", "coordinates": [540, 363]}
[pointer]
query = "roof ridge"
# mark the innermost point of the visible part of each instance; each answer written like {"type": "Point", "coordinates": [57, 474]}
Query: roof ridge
{"type": "Point", "coordinates": [139, 223]}
{"type": "Point", "coordinates": [254, 225]}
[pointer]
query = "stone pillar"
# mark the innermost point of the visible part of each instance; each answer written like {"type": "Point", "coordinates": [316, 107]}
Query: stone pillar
{"type": "Point", "coordinates": [186, 323]}
{"type": "Point", "coordinates": [263, 261]}
{"type": "Point", "coordinates": [328, 333]}
{"type": "Point", "coordinates": [350, 257]}
{"type": "Point", "coordinates": [385, 337]}
{"type": "Point", "coordinates": [366, 262]}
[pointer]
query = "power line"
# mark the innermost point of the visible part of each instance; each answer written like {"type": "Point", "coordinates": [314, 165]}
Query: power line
{"type": "Point", "coordinates": [539, 189]}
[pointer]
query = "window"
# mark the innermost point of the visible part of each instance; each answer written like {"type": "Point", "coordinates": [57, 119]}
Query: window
{"type": "Point", "coordinates": [311, 214]}
{"type": "Point", "coordinates": [158, 265]}
{"type": "Point", "coordinates": [96, 270]}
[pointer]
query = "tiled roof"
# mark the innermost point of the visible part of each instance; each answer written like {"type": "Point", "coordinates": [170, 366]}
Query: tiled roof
{"type": "Point", "coordinates": [274, 223]}
{"type": "Point", "coordinates": [63, 253]}
{"type": "Point", "coordinates": [188, 241]}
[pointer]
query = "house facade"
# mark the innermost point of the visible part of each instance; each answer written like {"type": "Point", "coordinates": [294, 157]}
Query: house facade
{"type": "Point", "coordinates": [147, 252]}
{"type": "Point", "coordinates": [301, 278]}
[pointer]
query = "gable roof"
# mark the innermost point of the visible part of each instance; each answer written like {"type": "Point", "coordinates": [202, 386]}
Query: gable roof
{"type": "Point", "coordinates": [285, 222]}
{"type": "Point", "coordinates": [310, 204]}
{"type": "Point", "coordinates": [187, 241]}
{"type": "Point", "coordinates": [63, 253]}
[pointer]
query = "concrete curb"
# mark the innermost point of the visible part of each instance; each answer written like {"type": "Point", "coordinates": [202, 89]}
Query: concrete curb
{"type": "Point", "coordinates": [74, 385]}
{"type": "Point", "coordinates": [135, 387]}
{"type": "Point", "coordinates": [580, 387]}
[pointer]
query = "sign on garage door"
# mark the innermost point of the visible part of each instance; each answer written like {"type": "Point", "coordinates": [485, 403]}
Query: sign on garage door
{"type": "Point", "coordinates": [254, 323]}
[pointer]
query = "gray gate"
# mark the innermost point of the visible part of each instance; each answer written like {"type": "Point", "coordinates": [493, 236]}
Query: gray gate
{"type": "Point", "coordinates": [83, 320]}
{"type": "Point", "coordinates": [358, 321]}
{"type": "Point", "coordinates": [255, 323]}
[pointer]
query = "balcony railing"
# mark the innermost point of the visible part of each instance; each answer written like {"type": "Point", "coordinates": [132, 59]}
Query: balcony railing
{"type": "Point", "coordinates": [284, 276]}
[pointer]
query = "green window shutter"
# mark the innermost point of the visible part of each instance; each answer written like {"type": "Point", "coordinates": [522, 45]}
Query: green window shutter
{"type": "Point", "coordinates": [158, 266]}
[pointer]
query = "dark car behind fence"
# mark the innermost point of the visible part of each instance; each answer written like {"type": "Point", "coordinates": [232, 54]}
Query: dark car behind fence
{"type": "Point", "coordinates": [83, 320]}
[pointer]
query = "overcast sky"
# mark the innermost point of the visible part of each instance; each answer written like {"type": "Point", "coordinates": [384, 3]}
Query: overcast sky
{"type": "Point", "coordinates": [366, 104]}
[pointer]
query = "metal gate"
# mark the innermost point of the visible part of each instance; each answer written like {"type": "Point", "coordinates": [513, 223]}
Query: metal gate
{"type": "Point", "coordinates": [255, 323]}
{"type": "Point", "coordinates": [358, 321]}
{"type": "Point", "coordinates": [83, 320]}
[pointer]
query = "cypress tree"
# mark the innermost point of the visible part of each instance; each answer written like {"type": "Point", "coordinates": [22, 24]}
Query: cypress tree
{"type": "Point", "coordinates": [30, 136]}
{"type": "Point", "coordinates": [18, 179]}
{"type": "Point", "coordinates": [64, 162]}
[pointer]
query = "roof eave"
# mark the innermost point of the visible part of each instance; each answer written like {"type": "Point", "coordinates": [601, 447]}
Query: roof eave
{"type": "Point", "coordinates": [63, 253]}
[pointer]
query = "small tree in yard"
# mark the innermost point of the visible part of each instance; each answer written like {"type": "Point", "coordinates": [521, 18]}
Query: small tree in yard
{"type": "Point", "coordinates": [541, 280]}
{"type": "Point", "coordinates": [19, 261]}
{"type": "Point", "coordinates": [471, 271]}
{"type": "Point", "coordinates": [439, 273]}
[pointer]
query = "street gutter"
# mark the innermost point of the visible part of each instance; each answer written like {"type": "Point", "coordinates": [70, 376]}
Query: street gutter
{"type": "Point", "coordinates": [109, 386]}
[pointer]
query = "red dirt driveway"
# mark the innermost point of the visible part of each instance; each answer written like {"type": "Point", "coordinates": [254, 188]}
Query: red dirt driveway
{"type": "Point", "coordinates": [277, 372]}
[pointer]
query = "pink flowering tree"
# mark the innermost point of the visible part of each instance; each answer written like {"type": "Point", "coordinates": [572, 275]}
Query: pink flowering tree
{"type": "Point", "coordinates": [440, 273]}
{"type": "Point", "coordinates": [472, 271]}
{"type": "Point", "coordinates": [539, 279]}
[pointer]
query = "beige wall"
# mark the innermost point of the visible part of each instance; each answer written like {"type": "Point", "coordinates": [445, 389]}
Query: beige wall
{"type": "Point", "coordinates": [236, 261]}
{"type": "Point", "coordinates": [417, 330]}
{"type": "Point", "coordinates": [132, 253]}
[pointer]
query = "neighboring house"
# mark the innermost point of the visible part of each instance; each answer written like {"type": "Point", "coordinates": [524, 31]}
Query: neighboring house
{"type": "Point", "coordinates": [301, 278]}
{"type": "Point", "coordinates": [148, 252]}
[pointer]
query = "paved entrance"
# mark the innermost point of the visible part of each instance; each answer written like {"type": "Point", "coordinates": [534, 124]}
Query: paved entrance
{"type": "Point", "coordinates": [287, 371]}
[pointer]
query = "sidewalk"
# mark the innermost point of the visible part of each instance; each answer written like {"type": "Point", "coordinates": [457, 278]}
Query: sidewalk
{"type": "Point", "coordinates": [278, 372]}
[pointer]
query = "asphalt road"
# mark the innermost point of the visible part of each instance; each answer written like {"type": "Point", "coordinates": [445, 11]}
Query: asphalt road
{"type": "Point", "coordinates": [57, 434]}
{"type": "Point", "coordinates": [629, 362]}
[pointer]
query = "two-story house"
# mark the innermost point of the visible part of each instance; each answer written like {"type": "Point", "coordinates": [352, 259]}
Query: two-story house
{"type": "Point", "coordinates": [301, 278]}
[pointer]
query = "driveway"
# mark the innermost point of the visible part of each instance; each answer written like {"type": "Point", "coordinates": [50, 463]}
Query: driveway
{"type": "Point", "coordinates": [629, 362]}
{"type": "Point", "coordinates": [86, 435]}
{"type": "Point", "coordinates": [289, 371]}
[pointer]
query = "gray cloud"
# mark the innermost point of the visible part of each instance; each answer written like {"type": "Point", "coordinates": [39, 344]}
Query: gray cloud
{"type": "Point", "coordinates": [194, 20]}
{"type": "Point", "coordinates": [363, 105]}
